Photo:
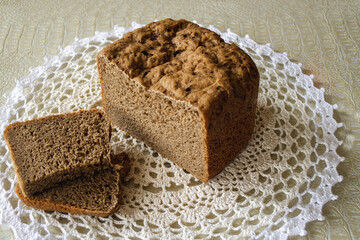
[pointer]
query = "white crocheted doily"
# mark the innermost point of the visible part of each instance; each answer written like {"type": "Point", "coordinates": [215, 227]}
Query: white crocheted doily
{"type": "Point", "coordinates": [271, 190]}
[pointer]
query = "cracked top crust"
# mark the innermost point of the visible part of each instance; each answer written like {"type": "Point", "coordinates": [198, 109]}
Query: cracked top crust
{"type": "Point", "coordinates": [185, 61]}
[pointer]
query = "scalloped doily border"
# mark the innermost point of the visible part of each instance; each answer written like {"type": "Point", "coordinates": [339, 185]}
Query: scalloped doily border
{"type": "Point", "coordinates": [332, 177]}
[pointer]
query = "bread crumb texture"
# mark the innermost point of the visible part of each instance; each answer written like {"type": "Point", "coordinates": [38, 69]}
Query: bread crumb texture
{"type": "Point", "coordinates": [57, 148]}
{"type": "Point", "coordinates": [183, 91]}
{"type": "Point", "coordinates": [184, 61]}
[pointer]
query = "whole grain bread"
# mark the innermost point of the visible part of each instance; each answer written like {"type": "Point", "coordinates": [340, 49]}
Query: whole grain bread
{"type": "Point", "coordinates": [183, 91]}
{"type": "Point", "coordinates": [57, 148]}
{"type": "Point", "coordinates": [96, 195]}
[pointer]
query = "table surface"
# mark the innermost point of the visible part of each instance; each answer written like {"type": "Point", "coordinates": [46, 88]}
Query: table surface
{"type": "Point", "coordinates": [324, 35]}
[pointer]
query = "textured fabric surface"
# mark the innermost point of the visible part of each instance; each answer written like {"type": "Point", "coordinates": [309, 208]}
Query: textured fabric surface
{"type": "Point", "coordinates": [323, 35]}
{"type": "Point", "coordinates": [277, 184]}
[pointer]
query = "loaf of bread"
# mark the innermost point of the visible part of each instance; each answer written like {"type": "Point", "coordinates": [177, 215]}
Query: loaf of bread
{"type": "Point", "coordinates": [96, 195]}
{"type": "Point", "coordinates": [58, 148]}
{"type": "Point", "coordinates": [183, 91]}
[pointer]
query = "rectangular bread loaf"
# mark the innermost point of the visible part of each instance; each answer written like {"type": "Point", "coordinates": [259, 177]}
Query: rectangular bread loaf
{"type": "Point", "coordinates": [183, 91]}
{"type": "Point", "coordinates": [57, 148]}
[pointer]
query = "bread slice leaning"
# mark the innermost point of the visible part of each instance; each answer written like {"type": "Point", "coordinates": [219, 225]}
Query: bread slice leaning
{"type": "Point", "coordinates": [58, 148]}
{"type": "Point", "coordinates": [97, 195]}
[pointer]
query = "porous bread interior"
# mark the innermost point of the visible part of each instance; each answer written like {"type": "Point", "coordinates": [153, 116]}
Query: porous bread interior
{"type": "Point", "coordinates": [172, 127]}
{"type": "Point", "coordinates": [58, 148]}
{"type": "Point", "coordinates": [99, 192]}
{"type": "Point", "coordinates": [181, 63]}
{"type": "Point", "coordinates": [96, 195]}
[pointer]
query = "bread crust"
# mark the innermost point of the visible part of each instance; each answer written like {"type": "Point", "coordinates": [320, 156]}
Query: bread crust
{"type": "Point", "coordinates": [52, 206]}
{"type": "Point", "coordinates": [182, 63]}
{"type": "Point", "coordinates": [12, 147]}
{"type": "Point", "coordinates": [121, 164]}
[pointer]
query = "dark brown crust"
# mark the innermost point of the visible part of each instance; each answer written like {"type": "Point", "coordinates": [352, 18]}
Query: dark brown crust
{"type": "Point", "coordinates": [47, 117]}
{"type": "Point", "coordinates": [11, 147]}
{"type": "Point", "coordinates": [51, 206]}
{"type": "Point", "coordinates": [121, 164]}
{"type": "Point", "coordinates": [217, 78]}
{"type": "Point", "coordinates": [184, 61]}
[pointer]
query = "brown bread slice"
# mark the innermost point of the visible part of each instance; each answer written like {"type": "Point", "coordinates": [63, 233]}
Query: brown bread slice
{"type": "Point", "coordinates": [183, 91]}
{"type": "Point", "coordinates": [57, 148]}
{"type": "Point", "coordinates": [97, 195]}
